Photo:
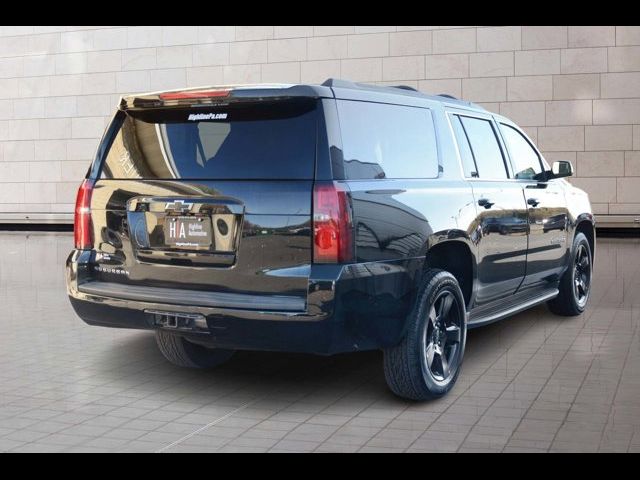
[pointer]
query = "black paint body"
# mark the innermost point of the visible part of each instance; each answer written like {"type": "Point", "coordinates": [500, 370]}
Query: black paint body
{"type": "Point", "coordinates": [269, 294]}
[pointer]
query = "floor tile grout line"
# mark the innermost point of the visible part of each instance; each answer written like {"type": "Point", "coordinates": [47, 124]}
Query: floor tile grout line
{"type": "Point", "coordinates": [533, 401]}
{"type": "Point", "coordinates": [142, 432]}
{"type": "Point", "coordinates": [631, 439]}
{"type": "Point", "coordinates": [582, 328]}
{"type": "Point", "coordinates": [619, 382]}
{"type": "Point", "coordinates": [406, 408]}
{"type": "Point", "coordinates": [239, 389]}
{"type": "Point", "coordinates": [242, 407]}
{"type": "Point", "coordinates": [469, 387]}
{"type": "Point", "coordinates": [237, 410]}
{"type": "Point", "coordinates": [511, 382]}
{"type": "Point", "coordinates": [382, 428]}
{"type": "Point", "coordinates": [35, 395]}
{"type": "Point", "coordinates": [566, 415]}
{"type": "Point", "coordinates": [282, 409]}
{"type": "Point", "coordinates": [351, 390]}
{"type": "Point", "coordinates": [363, 382]}
{"type": "Point", "coordinates": [220, 419]}
{"type": "Point", "coordinates": [619, 305]}
{"type": "Point", "coordinates": [354, 416]}
{"type": "Point", "coordinates": [337, 400]}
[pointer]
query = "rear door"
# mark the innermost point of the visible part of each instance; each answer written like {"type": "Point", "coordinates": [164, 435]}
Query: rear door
{"type": "Point", "coordinates": [502, 212]}
{"type": "Point", "coordinates": [211, 199]}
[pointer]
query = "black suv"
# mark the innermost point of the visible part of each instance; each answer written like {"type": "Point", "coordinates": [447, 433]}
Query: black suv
{"type": "Point", "coordinates": [323, 219]}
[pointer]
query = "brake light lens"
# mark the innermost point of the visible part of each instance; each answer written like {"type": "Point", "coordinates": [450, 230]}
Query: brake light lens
{"type": "Point", "coordinates": [195, 94]}
{"type": "Point", "coordinates": [332, 224]}
{"type": "Point", "coordinates": [82, 227]}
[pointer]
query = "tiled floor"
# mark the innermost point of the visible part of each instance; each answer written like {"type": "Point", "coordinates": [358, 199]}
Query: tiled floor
{"type": "Point", "coordinates": [535, 382]}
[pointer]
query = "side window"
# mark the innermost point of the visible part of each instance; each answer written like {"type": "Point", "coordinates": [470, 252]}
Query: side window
{"type": "Point", "coordinates": [466, 155]}
{"type": "Point", "coordinates": [387, 141]}
{"type": "Point", "coordinates": [525, 160]}
{"type": "Point", "coordinates": [485, 147]}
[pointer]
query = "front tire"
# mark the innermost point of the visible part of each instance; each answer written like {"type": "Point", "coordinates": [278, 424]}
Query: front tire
{"type": "Point", "coordinates": [575, 284]}
{"type": "Point", "coordinates": [183, 353]}
{"type": "Point", "coordinates": [427, 362]}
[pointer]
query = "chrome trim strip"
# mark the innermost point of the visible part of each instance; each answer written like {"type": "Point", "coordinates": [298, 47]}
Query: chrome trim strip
{"type": "Point", "coordinates": [177, 298]}
{"type": "Point", "coordinates": [499, 315]}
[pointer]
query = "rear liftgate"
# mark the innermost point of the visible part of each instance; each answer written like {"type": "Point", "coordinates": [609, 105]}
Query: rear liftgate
{"type": "Point", "coordinates": [202, 232]}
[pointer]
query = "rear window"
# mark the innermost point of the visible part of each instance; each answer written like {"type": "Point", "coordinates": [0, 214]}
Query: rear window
{"type": "Point", "coordinates": [251, 141]}
{"type": "Point", "coordinates": [387, 141]}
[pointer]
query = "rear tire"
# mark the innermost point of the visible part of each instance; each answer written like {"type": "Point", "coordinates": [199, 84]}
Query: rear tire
{"type": "Point", "coordinates": [184, 353]}
{"type": "Point", "coordinates": [426, 363]}
{"type": "Point", "coordinates": [575, 284]}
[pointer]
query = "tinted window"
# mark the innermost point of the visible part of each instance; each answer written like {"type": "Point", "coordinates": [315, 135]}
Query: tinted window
{"type": "Point", "coordinates": [486, 149]}
{"type": "Point", "coordinates": [466, 155]}
{"type": "Point", "coordinates": [258, 141]}
{"type": "Point", "coordinates": [525, 160]}
{"type": "Point", "coordinates": [387, 141]}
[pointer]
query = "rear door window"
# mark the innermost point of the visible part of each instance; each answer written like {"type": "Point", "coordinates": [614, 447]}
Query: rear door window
{"type": "Point", "coordinates": [466, 155]}
{"type": "Point", "coordinates": [387, 141]}
{"type": "Point", "coordinates": [486, 149]}
{"type": "Point", "coordinates": [254, 141]}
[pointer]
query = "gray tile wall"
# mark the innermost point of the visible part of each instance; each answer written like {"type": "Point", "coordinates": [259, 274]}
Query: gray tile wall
{"type": "Point", "coordinates": [575, 89]}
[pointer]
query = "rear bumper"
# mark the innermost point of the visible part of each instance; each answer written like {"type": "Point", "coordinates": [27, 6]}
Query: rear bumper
{"type": "Point", "coordinates": [348, 308]}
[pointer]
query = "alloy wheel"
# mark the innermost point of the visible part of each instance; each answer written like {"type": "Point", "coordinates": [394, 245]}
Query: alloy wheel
{"type": "Point", "coordinates": [581, 275]}
{"type": "Point", "coordinates": [442, 337]}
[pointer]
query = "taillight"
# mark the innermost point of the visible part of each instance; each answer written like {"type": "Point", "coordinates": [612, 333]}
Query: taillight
{"type": "Point", "coordinates": [195, 94]}
{"type": "Point", "coordinates": [82, 228]}
{"type": "Point", "coordinates": [332, 224]}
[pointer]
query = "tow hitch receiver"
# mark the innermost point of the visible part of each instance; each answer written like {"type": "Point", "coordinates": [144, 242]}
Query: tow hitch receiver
{"type": "Point", "coordinates": [191, 322]}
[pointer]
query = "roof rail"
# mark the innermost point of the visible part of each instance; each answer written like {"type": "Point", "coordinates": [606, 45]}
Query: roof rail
{"type": "Point", "coordinates": [336, 82]}
{"type": "Point", "coordinates": [405, 87]}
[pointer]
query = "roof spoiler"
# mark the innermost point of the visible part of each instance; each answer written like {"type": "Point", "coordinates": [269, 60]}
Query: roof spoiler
{"type": "Point", "coordinates": [220, 95]}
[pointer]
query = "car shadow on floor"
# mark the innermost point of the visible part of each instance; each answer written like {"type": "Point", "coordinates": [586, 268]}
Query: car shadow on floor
{"type": "Point", "coordinates": [253, 371]}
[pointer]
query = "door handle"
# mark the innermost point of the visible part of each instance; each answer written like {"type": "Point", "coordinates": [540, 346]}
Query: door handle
{"type": "Point", "coordinates": [533, 202]}
{"type": "Point", "coordinates": [485, 202]}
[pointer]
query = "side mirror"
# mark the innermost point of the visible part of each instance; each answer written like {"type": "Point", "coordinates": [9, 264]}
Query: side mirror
{"type": "Point", "coordinates": [561, 169]}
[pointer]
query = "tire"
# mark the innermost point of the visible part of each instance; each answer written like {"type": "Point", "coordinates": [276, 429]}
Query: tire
{"type": "Point", "coordinates": [575, 284]}
{"type": "Point", "coordinates": [406, 365]}
{"type": "Point", "coordinates": [184, 353]}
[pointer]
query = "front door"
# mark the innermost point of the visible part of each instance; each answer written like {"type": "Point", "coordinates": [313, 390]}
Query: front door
{"type": "Point", "coordinates": [547, 212]}
{"type": "Point", "coordinates": [548, 240]}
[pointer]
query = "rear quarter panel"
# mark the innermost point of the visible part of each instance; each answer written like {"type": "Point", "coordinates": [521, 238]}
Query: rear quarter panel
{"type": "Point", "coordinates": [396, 221]}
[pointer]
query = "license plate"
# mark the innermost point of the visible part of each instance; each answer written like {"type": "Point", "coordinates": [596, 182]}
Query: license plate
{"type": "Point", "coordinates": [188, 232]}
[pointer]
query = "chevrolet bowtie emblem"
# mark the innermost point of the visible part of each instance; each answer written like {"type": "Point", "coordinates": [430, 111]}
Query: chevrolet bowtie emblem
{"type": "Point", "coordinates": [178, 206]}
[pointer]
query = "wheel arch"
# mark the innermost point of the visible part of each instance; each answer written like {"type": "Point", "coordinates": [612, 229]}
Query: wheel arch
{"type": "Point", "coordinates": [456, 257]}
{"type": "Point", "coordinates": [585, 223]}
